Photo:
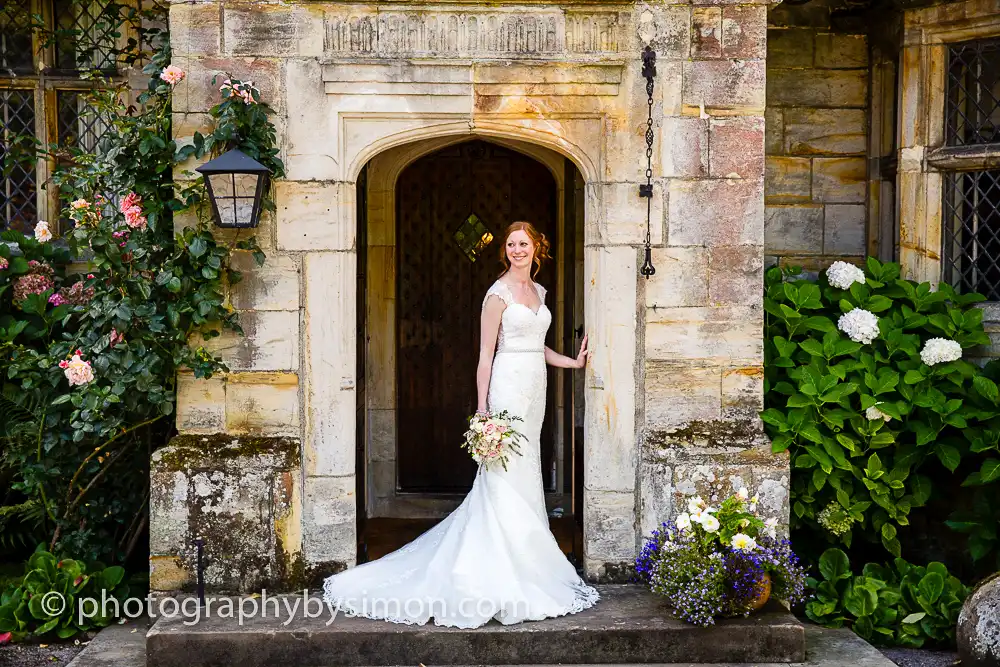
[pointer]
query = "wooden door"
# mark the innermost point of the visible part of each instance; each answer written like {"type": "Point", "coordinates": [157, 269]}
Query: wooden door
{"type": "Point", "coordinates": [439, 298]}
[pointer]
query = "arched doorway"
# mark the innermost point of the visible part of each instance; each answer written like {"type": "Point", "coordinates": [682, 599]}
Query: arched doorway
{"type": "Point", "coordinates": [449, 207]}
{"type": "Point", "coordinates": [432, 215]}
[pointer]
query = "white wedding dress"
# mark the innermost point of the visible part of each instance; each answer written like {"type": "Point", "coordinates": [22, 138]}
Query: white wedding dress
{"type": "Point", "coordinates": [494, 556]}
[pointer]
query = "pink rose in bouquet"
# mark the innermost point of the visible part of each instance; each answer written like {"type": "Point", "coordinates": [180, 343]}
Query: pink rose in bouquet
{"type": "Point", "coordinates": [491, 439]}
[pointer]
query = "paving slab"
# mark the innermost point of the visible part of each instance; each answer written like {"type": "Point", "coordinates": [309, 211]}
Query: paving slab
{"type": "Point", "coordinates": [628, 625]}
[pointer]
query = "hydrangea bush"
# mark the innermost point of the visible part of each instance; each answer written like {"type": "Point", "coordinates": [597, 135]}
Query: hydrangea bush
{"type": "Point", "coordinates": [869, 388]}
{"type": "Point", "coordinates": [718, 561]}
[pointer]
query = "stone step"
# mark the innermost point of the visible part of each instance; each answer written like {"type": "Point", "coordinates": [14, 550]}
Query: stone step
{"type": "Point", "coordinates": [628, 625]}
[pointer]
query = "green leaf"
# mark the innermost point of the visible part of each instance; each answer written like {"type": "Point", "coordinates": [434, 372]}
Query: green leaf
{"type": "Point", "coordinates": [931, 587]}
{"type": "Point", "coordinates": [834, 565]}
{"type": "Point", "coordinates": [948, 455]}
{"type": "Point", "coordinates": [989, 471]}
{"type": "Point", "coordinates": [986, 387]}
{"type": "Point", "coordinates": [914, 617]}
{"type": "Point", "coordinates": [197, 247]}
{"type": "Point", "coordinates": [920, 487]}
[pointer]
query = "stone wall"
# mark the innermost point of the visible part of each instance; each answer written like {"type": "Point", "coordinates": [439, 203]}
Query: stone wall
{"type": "Point", "coordinates": [672, 394]}
{"type": "Point", "coordinates": [817, 138]}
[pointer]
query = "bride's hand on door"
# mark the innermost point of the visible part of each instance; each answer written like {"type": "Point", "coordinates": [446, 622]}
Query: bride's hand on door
{"type": "Point", "coordinates": [584, 356]}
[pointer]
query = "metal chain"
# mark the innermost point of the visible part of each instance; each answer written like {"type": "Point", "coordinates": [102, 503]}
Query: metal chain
{"type": "Point", "coordinates": [646, 190]}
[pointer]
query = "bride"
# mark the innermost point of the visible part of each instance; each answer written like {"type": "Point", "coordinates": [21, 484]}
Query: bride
{"type": "Point", "coordinates": [493, 557]}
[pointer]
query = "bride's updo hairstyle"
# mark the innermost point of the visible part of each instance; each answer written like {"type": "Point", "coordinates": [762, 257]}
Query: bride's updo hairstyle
{"type": "Point", "coordinates": [542, 245]}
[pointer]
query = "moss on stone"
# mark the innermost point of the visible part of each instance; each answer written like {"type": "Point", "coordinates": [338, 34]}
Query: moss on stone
{"type": "Point", "coordinates": [184, 452]}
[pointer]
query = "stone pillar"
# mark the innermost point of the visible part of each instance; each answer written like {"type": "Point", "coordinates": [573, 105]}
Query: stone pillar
{"type": "Point", "coordinates": [702, 374]}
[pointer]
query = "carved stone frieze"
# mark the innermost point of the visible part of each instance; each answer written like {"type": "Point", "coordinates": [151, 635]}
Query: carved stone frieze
{"type": "Point", "coordinates": [546, 33]}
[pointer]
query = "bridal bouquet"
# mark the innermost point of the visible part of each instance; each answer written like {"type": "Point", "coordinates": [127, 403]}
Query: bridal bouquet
{"type": "Point", "coordinates": [720, 561]}
{"type": "Point", "coordinates": [491, 438]}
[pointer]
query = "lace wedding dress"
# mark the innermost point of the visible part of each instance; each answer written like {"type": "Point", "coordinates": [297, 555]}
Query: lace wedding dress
{"type": "Point", "coordinates": [494, 556]}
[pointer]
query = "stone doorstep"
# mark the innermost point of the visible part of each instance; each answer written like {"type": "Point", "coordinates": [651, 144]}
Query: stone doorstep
{"type": "Point", "coordinates": [628, 625]}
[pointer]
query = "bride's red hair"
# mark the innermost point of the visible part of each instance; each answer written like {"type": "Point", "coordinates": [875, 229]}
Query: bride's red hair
{"type": "Point", "coordinates": [542, 245]}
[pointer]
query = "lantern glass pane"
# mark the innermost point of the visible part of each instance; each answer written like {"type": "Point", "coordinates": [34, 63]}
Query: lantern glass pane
{"type": "Point", "coordinates": [234, 197]}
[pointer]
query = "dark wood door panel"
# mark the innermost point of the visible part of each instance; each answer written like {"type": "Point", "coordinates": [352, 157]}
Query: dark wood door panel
{"type": "Point", "coordinates": [439, 296]}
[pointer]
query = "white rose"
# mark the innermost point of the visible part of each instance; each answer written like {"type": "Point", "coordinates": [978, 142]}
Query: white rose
{"type": "Point", "coordinates": [742, 493]}
{"type": "Point", "coordinates": [709, 523]}
{"type": "Point", "coordinates": [683, 522]}
{"type": "Point", "coordinates": [743, 542]}
{"type": "Point", "coordinates": [695, 504]}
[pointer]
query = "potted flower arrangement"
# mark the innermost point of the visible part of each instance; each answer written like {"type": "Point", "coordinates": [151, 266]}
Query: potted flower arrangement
{"type": "Point", "coordinates": [713, 562]}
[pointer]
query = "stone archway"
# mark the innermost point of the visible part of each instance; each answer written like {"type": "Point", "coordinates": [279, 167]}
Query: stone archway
{"type": "Point", "coordinates": [383, 493]}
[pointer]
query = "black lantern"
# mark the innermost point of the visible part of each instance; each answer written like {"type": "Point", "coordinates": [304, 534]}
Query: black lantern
{"type": "Point", "coordinates": [236, 185]}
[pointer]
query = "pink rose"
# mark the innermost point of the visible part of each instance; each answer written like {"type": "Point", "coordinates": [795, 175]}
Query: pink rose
{"type": "Point", "coordinates": [172, 75]}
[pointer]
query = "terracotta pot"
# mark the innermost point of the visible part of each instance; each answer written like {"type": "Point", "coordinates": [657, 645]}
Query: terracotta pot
{"type": "Point", "coordinates": [765, 594]}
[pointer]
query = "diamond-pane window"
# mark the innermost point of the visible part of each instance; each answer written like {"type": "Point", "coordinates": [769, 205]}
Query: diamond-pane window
{"type": "Point", "coordinates": [973, 106]}
{"type": "Point", "coordinates": [79, 124]}
{"type": "Point", "coordinates": [15, 37]}
{"type": "Point", "coordinates": [88, 34]}
{"type": "Point", "coordinates": [472, 236]}
{"type": "Point", "coordinates": [18, 206]}
{"type": "Point", "coordinates": [971, 235]}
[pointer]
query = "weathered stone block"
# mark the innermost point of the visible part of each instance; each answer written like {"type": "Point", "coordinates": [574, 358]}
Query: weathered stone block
{"type": "Point", "coordinates": [724, 84]}
{"type": "Point", "coordinates": [195, 29]}
{"type": "Point", "coordinates": [201, 404]}
{"type": "Point", "coordinates": [609, 524]}
{"type": "Point", "coordinates": [787, 179]}
{"type": "Point", "coordinates": [742, 392]}
{"type": "Point", "coordinates": [744, 31]}
{"type": "Point", "coordinates": [272, 286]}
{"type": "Point", "coordinates": [736, 275]}
{"type": "Point", "coordinates": [825, 131]}
{"type": "Point", "coordinates": [315, 215]}
{"type": "Point", "coordinates": [845, 229]}
{"type": "Point", "coordinates": [610, 376]}
{"type": "Point", "coordinates": [840, 179]}
{"type": "Point", "coordinates": [716, 212]}
{"type": "Point", "coordinates": [706, 32]}
{"type": "Point", "coordinates": [737, 147]}
{"type": "Point", "coordinates": [837, 50]}
{"type": "Point", "coordinates": [624, 215]}
{"type": "Point", "coordinates": [270, 342]}
{"type": "Point", "coordinates": [329, 533]}
{"type": "Point", "coordinates": [263, 404]}
{"type": "Point", "coordinates": [793, 229]}
{"type": "Point", "coordinates": [681, 278]}
{"type": "Point", "coordinates": [716, 334]}
{"type": "Point", "coordinates": [274, 30]}
{"type": "Point", "coordinates": [681, 392]}
{"type": "Point", "coordinates": [238, 495]}
{"type": "Point", "coordinates": [817, 87]}
{"type": "Point", "coordinates": [198, 93]}
{"type": "Point", "coordinates": [684, 147]}
{"type": "Point", "coordinates": [330, 363]}
{"type": "Point", "coordinates": [790, 47]}
{"type": "Point", "coordinates": [310, 147]}
{"type": "Point", "coordinates": [774, 130]}
{"type": "Point", "coordinates": [666, 28]}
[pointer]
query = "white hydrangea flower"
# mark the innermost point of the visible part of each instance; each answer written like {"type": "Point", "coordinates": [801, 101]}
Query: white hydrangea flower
{"type": "Point", "coordinates": [860, 325]}
{"type": "Point", "coordinates": [844, 274]}
{"type": "Point", "coordinates": [874, 413]}
{"type": "Point", "coordinates": [940, 350]}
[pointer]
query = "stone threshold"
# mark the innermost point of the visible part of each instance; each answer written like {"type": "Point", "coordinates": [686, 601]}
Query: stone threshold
{"type": "Point", "coordinates": [628, 626]}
